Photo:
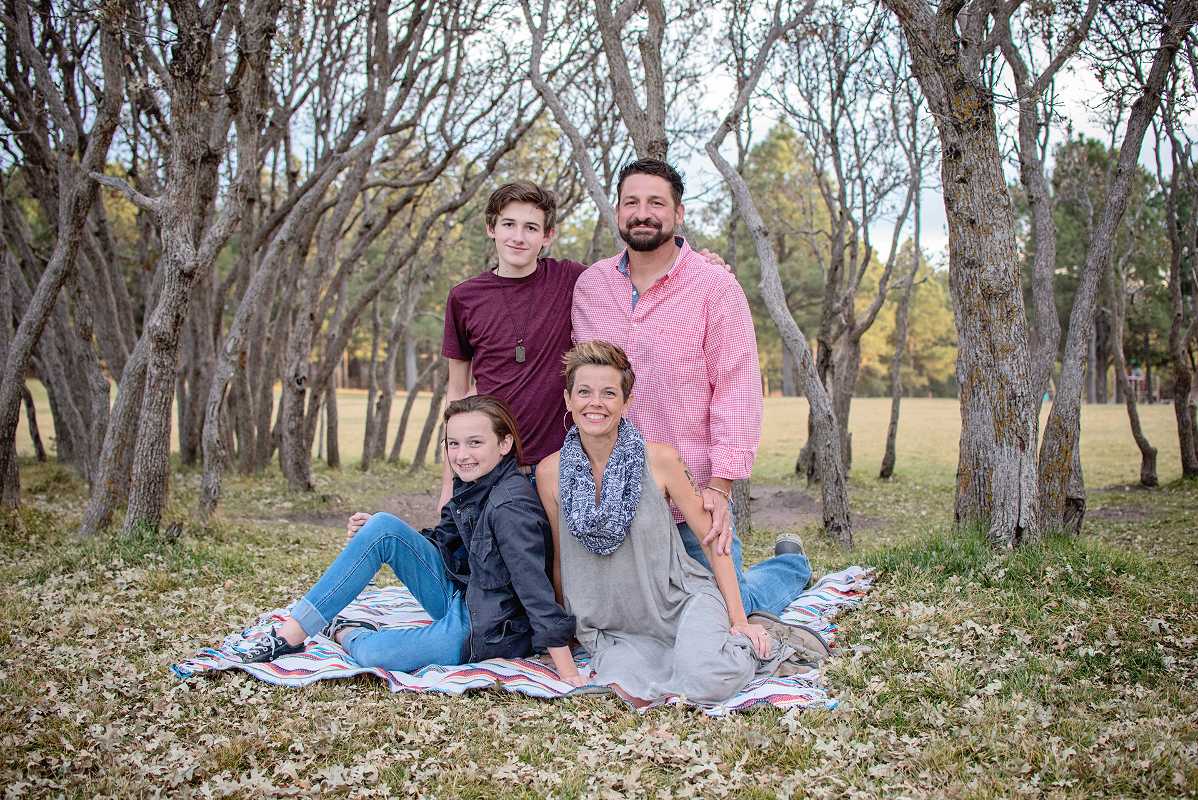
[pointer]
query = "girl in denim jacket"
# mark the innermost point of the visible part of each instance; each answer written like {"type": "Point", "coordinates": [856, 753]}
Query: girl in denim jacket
{"type": "Point", "coordinates": [481, 573]}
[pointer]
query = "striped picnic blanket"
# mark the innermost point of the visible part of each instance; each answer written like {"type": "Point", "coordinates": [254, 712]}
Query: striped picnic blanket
{"type": "Point", "coordinates": [395, 607]}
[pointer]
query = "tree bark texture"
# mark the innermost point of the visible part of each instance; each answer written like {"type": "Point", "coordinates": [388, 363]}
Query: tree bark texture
{"type": "Point", "coordinates": [1046, 327]}
{"type": "Point", "coordinates": [192, 233]}
{"type": "Point", "coordinates": [996, 471]}
{"type": "Point", "coordinates": [742, 502]}
{"type": "Point", "coordinates": [10, 479]}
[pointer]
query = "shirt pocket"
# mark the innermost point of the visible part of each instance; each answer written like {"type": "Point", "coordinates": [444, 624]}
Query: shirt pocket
{"type": "Point", "coordinates": [680, 357]}
{"type": "Point", "coordinates": [487, 566]}
{"type": "Point", "coordinates": [515, 628]}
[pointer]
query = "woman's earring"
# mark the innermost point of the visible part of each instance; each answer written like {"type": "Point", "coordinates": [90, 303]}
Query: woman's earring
{"type": "Point", "coordinates": [565, 424]}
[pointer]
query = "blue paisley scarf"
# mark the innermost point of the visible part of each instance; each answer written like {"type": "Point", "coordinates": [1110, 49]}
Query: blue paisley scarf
{"type": "Point", "coordinates": [602, 528]}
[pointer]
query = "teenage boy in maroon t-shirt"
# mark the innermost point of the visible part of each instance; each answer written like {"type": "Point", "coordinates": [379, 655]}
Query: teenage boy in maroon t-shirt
{"type": "Point", "coordinates": [510, 325]}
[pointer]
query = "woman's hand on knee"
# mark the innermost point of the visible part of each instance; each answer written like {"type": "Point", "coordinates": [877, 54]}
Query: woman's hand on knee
{"type": "Point", "coordinates": [758, 635]}
{"type": "Point", "coordinates": [355, 523]}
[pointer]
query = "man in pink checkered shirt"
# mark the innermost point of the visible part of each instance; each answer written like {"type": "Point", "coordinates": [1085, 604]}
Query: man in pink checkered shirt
{"type": "Point", "coordinates": [685, 325]}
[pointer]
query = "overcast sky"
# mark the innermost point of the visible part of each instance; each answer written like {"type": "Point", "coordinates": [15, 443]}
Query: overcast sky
{"type": "Point", "coordinates": [1076, 88]}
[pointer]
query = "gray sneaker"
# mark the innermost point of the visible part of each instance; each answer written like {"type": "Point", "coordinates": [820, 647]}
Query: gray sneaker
{"type": "Point", "coordinates": [789, 543]}
{"type": "Point", "coordinates": [792, 544]}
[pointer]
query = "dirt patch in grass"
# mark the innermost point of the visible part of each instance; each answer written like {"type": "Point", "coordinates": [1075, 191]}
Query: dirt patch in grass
{"type": "Point", "coordinates": [776, 508]}
{"type": "Point", "coordinates": [1118, 514]}
{"type": "Point", "coordinates": [782, 508]}
{"type": "Point", "coordinates": [418, 509]}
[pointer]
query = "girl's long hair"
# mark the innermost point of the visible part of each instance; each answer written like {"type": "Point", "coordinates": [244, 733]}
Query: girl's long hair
{"type": "Point", "coordinates": [502, 421]}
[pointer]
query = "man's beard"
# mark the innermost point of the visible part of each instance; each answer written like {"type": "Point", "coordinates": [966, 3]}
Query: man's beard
{"type": "Point", "coordinates": [643, 243]}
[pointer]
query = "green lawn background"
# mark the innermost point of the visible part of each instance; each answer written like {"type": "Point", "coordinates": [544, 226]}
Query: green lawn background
{"type": "Point", "coordinates": [927, 444]}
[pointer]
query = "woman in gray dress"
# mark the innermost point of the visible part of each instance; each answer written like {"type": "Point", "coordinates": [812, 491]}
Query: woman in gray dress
{"type": "Point", "coordinates": [654, 621]}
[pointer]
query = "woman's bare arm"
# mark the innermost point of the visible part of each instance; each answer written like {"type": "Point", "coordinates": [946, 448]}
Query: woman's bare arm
{"type": "Point", "coordinates": [563, 659]}
{"type": "Point", "coordinates": [547, 490]}
{"type": "Point", "coordinates": [679, 486]}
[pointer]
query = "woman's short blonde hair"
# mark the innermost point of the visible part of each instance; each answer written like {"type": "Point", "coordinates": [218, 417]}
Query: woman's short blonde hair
{"type": "Point", "coordinates": [597, 353]}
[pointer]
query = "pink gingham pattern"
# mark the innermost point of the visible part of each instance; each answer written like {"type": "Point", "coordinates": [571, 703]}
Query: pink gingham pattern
{"type": "Point", "coordinates": [691, 342]}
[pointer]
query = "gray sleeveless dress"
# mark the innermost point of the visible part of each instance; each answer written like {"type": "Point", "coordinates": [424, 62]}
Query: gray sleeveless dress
{"type": "Point", "coordinates": [651, 616]}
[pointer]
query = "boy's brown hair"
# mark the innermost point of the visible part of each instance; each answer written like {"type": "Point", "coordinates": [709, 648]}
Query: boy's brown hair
{"type": "Point", "coordinates": [522, 192]}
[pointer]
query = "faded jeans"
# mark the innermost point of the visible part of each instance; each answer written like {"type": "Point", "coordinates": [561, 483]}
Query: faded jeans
{"type": "Point", "coordinates": [387, 539]}
{"type": "Point", "coordinates": [769, 586]}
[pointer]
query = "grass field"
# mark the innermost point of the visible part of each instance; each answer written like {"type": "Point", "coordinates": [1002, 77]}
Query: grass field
{"type": "Point", "coordinates": [927, 440]}
{"type": "Point", "coordinates": [1068, 669]}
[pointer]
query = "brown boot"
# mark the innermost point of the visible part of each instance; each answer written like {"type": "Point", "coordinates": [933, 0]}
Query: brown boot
{"type": "Point", "coordinates": [810, 647]}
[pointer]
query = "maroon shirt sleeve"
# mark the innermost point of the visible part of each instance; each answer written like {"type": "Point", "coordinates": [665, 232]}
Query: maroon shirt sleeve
{"type": "Point", "coordinates": [456, 342]}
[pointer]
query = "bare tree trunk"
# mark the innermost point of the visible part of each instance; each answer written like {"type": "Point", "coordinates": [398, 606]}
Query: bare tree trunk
{"type": "Point", "coordinates": [1183, 411]}
{"type": "Point", "coordinates": [827, 447]}
{"type": "Point", "coordinates": [996, 472]}
{"type": "Point", "coordinates": [434, 412]}
{"type": "Point", "coordinates": [61, 356]}
{"type": "Point", "coordinates": [31, 418]}
{"type": "Point", "coordinates": [1091, 377]}
{"type": "Point", "coordinates": [10, 479]}
{"type": "Point", "coordinates": [1101, 354]}
{"type": "Point", "coordinates": [409, 401]}
{"type": "Point", "coordinates": [51, 359]}
{"type": "Point", "coordinates": [198, 367]}
{"type": "Point", "coordinates": [1030, 88]}
{"type": "Point", "coordinates": [265, 408]}
{"type": "Point", "coordinates": [789, 375]}
{"type": "Point", "coordinates": [645, 124]}
{"type": "Point", "coordinates": [1183, 373]}
{"type": "Point", "coordinates": [741, 502]}
{"type": "Point", "coordinates": [1182, 228]}
{"type": "Point", "coordinates": [411, 371]}
{"type": "Point", "coordinates": [1148, 476]}
{"type": "Point", "coordinates": [1062, 500]}
{"type": "Point", "coordinates": [372, 385]}
{"type": "Point", "coordinates": [112, 479]}
{"type": "Point", "coordinates": [842, 396]}
{"type": "Point", "coordinates": [332, 443]}
{"type": "Point", "coordinates": [74, 161]}
{"type": "Point", "coordinates": [578, 147]}
{"type": "Point", "coordinates": [902, 319]}
{"type": "Point", "coordinates": [191, 238]}
{"type": "Point", "coordinates": [1075, 508]}
{"type": "Point", "coordinates": [378, 444]}
{"type": "Point", "coordinates": [90, 378]}
{"type": "Point", "coordinates": [400, 432]}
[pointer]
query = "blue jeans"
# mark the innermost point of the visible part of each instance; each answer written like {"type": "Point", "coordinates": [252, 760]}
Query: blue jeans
{"type": "Point", "coordinates": [387, 539]}
{"type": "Point", "coordinates": [769, 586]}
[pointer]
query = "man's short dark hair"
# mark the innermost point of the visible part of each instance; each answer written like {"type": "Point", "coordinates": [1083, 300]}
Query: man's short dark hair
{"type": "Point", "coordinates": [656, 167]}
{"type": "Point", "coordinates": [522, 192]}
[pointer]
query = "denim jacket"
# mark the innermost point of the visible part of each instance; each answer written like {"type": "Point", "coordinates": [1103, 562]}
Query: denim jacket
{"type": "Point", "coordinates": [496, 543]}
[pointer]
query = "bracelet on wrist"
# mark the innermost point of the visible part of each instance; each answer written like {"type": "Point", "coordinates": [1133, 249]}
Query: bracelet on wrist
{"type": "Point", "coordinates": [726, 495]}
